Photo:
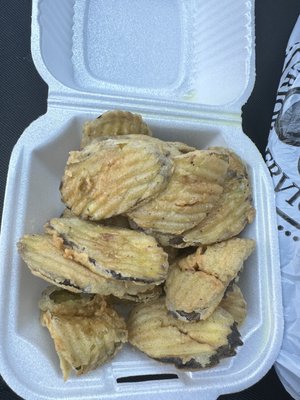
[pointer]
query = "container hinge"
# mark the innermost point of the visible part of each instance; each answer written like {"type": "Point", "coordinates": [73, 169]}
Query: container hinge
{"type": "Point", "coordinates": [149, 108]}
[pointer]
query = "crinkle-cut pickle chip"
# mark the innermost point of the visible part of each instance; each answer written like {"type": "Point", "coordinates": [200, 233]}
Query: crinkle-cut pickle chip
{"type": "Point", "coordinates": [223, 260]}
{"type": "Point", "coordinates": [235, 303]}
{"type": "Point", "coordinates": [63, 302]}
{"type": "Point", "coordinates": [188, 345]}
{"type": "Point", "coordinates": [171, 148]}
{"type": "Point", "coordinates": [192, 295]}
{"type": "Point", "coordinates": [112, 252]}
{"type": "Point", "coordinates": [46, 260]}
{"type": "Point", "coordinates": [113, 123]}
{"type": "Point", "coordinates": [236, 165]}
{"type": "Point", "coordinates": [111, 177]}
{"type": "Point", "coordinates": [197, 283]}
{"type": "Point", "coordinates": [194, 189]}
{"type": "Point", "coordinates": [120, 221]}
{"type": "Point", "coordinates": [84, 342]}
{"type": "Point", "coordinates": [229, 217]}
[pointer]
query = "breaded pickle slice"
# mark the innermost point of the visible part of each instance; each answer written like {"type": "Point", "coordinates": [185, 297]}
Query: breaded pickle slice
{"type": "Point", "coordinates": [235, 303]}
{"type": "Point", "coordinates": [194, 189]}
{"type": "Point", "coordinates": [112, 176]}
{"type": "Point", "coordinates": [199, 345]}
{"type": "Point", "coordinates": [192, 295]}
{"type": "Point", "coordinates": [233, 212]}
{"type": "Point", "coordinates": [63, 302]}
{"type": "Point", "coordinates": [197, 283]}
{"type": "Point", "coordinates": [83, 341]}
{"type": "Point", "coordinates": [113, 123]}
{"type": "Point", "coordinates": [171, 148]}
{"type": "Point", "coordinates": [120, 221]}
{"type": "Point", "coordinates": [46, 260]}
{"type": "Point", "coordinates": [223, 260]}
{"type": "Point", "coordinates": [112, 252]}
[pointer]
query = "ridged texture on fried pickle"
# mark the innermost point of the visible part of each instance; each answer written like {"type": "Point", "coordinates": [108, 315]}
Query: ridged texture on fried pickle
{"type": "Point", "coordinates": [233, 212]}
{"type": "Point", "coordinates": [120, 221]}
{"type": "Point", "coordinates": [194, 189]}
{"type": "Point", "coordinates": [63, 302]}
{"type": "Point", "coordinates": [111, 177]}
{"type": "Point", "coordinates": [192, 295]}
{"type": "Point", "coordinates": [113, 123]}
{"type": "Point", "coordinates": [197, 283]}
{"type": "Point", "coordinates": [172, 148]}
{"type": "Point", "coordinates": [83, 341]}
{"type": "Point", "coordinates": [45, 259]}
{"type": "Point", "coordinates": [198, 345]}
{"type": "Point", "coordinates": [223, 260]}
{"type": "Point", "coordinates": [235, 303]}
{"type": "Point", "coordinates": [112, 252]}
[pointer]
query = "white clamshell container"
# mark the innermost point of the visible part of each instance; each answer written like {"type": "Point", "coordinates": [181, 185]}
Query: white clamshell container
{"type": "Point", "coordinates": [188, 67]}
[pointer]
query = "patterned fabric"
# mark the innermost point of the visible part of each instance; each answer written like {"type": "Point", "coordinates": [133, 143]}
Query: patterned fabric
{"type": "Point", "coordinates": [283, 161]}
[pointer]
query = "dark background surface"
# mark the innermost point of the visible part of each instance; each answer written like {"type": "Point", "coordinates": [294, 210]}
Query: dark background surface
{"type": "Point", "coordinates": [23, 97]}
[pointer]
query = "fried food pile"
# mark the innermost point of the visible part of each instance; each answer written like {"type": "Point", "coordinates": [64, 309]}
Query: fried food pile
{"type": "Point", "coordinates": [150, 225]}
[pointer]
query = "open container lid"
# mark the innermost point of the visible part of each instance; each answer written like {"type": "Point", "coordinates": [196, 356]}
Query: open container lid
{"type": "Point", "coordinates": [182, 56]}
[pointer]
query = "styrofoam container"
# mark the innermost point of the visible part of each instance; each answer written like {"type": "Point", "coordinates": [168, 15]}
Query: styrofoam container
{"type": "Point", "coordinates": [188, 67]}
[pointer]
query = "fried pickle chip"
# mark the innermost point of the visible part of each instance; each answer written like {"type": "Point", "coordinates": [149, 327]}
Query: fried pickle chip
{"type": "Point", "coordinates": [231, 215]}
{"type": "Point", "coordinates": [111, 177]}
{"type": "Point", "coordinates": [63, 302]}
{"type": "Point", "coordinates": [194, 188]}
{"type": "Point", "coordinates": [192, 295]}
{"type": "Point", "coordinates": [83, 339]}
{"type": "Point", "coordinates": [199, 345]}
{"type": "Point", "coordinates": [197, 283]}
{"type": "Point", "coordinates": [111, 252]}
{"type": "Point", "coordinates": [120, 221]}
{"type": "Point", "coordinates": [113, 123]}
{"type": "Point", "coordinates": [46, 260]}
{"type": "Point", "coordinates": [223, 260]}
{"type": "Point", "coordinates": [235, 303]}
{"type": "Point", "coordinates": [170, 148]}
